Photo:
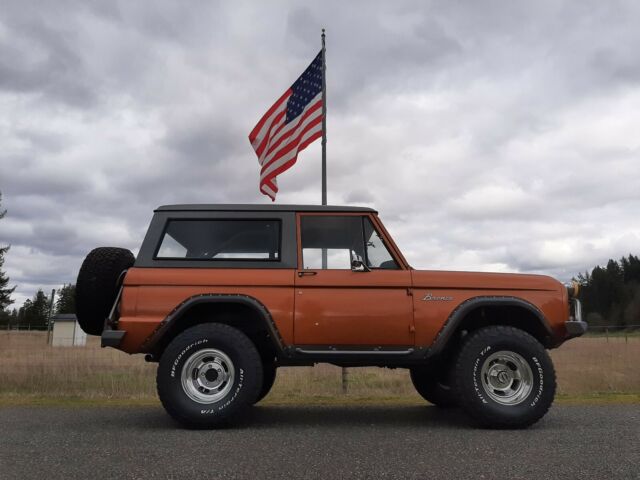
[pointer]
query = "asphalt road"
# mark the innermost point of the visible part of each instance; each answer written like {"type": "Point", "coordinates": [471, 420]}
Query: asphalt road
{"type": "Point", "coordinates": [571, 442]}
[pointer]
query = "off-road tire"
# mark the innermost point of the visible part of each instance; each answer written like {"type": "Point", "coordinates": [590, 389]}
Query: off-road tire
{"type": "Point", "coordinates": [434, 386]}
{"type": "Point", "coordinates": [97, 286]}
{"type": "Point", "coordinates": [268, 378]}
{"type": "Point", "coordinates": [484, 349]}
{"type": "Point", "coordinates": [243, 389]}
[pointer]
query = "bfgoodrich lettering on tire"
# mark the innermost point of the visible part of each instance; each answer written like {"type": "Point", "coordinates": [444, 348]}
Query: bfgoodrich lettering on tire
{"type": "Point", "coordinates": [504, 378]}
{"type": "Point", "coordinates": [208, 375]}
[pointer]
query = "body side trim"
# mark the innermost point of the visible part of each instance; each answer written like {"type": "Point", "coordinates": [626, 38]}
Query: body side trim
{"type": "Point", "coordinates": [311, 351]}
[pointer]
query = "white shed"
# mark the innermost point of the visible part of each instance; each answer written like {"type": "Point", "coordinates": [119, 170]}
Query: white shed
{"type": "Point", "coordinates": [67, 332]}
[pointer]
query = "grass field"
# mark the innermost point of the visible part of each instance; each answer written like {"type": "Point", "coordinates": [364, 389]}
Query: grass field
{"type": "Point", "coordinates": [29, 368]}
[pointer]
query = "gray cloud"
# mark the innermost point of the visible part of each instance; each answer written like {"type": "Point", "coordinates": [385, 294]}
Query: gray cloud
{"type": "Point", "coordinates": [40, 59]}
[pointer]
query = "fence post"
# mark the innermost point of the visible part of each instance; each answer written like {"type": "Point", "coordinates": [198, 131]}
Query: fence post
{"type": "Point", "coordinates": [344, 380]}
{"type": "Point", "coordinates": [53, 294]}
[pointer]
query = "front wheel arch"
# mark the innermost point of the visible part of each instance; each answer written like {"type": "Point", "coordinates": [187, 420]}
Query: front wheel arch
{"type": "Point", "coordinates": [480, 312]}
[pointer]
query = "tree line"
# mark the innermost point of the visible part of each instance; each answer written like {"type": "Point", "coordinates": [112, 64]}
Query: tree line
{"type": "Point", "coordinates": [36, 312]}
{"type": "Point", "coordinates": [610, 296]}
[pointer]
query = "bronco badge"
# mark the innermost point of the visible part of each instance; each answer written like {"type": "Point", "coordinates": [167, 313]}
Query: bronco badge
{"type": "Point", "coordinates": [431, 298]}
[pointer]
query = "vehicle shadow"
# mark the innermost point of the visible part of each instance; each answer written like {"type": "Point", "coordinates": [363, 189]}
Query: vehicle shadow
{"type": "Point", "coordinates": [354, 416]}
{"type": "Point", "coordinates": [325, 416]}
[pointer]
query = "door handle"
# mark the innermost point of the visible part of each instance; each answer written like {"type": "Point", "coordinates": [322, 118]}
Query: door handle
{"type": "Point", "coordinates": [302, 274]}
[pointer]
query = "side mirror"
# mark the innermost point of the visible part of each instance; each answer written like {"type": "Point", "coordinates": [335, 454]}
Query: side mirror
{"type": "Point", "coordinates": [357, 265]}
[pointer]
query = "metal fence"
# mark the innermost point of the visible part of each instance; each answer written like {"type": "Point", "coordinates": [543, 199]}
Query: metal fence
{"type": "Point", "coordinates": [24, 327]}
{"type": "Point", "coordinates": [616, 331]}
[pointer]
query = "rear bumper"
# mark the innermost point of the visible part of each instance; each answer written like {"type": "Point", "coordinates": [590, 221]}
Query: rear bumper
{"type": "Point", "coordinates": [112, 338]}
{"type": "Point", "coordinates": [575, 326]}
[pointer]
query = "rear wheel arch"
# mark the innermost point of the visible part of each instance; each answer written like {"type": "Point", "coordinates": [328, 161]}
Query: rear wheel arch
{"type": "Point", "coordinates": [243, 312]}
{"type": "Point", "coordinates": [479, 312]}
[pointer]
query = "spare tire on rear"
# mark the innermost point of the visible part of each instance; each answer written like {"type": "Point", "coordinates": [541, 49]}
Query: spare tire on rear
{"type": "Point", "coordinates": [97, 286]}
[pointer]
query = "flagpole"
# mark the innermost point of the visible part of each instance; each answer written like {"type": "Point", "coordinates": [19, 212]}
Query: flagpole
{"type": "Point", "coordinates": [324, 165]}
{"type": "Point", "coordinates": [324, 139]}
{"type": "Point", "coordinates": [324, 123]}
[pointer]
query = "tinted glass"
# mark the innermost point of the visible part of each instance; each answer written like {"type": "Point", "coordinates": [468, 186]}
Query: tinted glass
{"type": "Point", "coordinates": [221, 240]}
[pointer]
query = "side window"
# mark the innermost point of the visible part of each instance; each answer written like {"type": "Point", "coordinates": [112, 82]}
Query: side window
{"type": "Point", "coordinates": [213, 239]}
{"type": "Point", "coordinates": [377, 254]}
{"type": "Point", "coordinates": [334, 238]}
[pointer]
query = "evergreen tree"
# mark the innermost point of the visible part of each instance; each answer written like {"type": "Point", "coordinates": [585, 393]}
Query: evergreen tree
{"type": "Point", "coordinates": [35, 312]}
{"type": "Point", "coordinates": [66, 302]}
{"type": "Point", "coordinates": [8, 318]}
{"type": "Point", "coordinates": [631, 273]}
{"type": "Point", "coordinates": [611, 295]}
{"type": "Point", "coordinates": [13, 318]}
{"type": "Point", "coordinates": [5, 318]}
{"type": "Point", "coordinates": [5, 290]}
{"type": "Point", "coordinates": [631, 269]}
{"type": "Point", "coordinates": [24, 312]}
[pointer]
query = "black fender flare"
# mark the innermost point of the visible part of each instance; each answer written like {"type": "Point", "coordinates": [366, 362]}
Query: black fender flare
{"type": "Point", "coordinates": [461, 311]}
{"type": "Point", "coordinates": [165, 325]}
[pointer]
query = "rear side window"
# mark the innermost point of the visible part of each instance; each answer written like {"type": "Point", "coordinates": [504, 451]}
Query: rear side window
{"type": "Point", "coordinates": [213, 239]}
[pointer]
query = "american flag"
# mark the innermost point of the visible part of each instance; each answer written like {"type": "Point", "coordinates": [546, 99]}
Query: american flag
{"type": "Point", "coordinates": [288, 127]}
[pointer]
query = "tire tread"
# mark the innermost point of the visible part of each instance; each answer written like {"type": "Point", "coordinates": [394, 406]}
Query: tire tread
{"type": "Point", "coordinates": [96, 285]}
{"type": "Point", "coordinates": [253, 379]}
{"type": "Point", "coordinates": [482, 415]}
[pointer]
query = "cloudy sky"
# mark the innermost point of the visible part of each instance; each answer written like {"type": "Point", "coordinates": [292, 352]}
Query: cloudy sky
{"type": "Point", "coordinates": [494, 135]}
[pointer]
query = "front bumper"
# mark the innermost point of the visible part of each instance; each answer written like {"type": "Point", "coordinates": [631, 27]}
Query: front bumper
{"type": "Point", "coordinates": [575, 326]}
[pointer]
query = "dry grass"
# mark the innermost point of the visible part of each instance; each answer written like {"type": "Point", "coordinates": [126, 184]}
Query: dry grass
{"type": "Point", "coordinates": [28, 367]}
{"type": "Point", "coordinates": [598, 364]}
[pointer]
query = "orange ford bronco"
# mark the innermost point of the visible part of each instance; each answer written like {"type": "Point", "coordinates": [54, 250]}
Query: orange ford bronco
{"type": "Point", "coordinates": [222, 295]}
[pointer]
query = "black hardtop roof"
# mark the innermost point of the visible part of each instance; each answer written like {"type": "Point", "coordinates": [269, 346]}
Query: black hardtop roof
{"type": "Point", "coordinates": [222, 207]}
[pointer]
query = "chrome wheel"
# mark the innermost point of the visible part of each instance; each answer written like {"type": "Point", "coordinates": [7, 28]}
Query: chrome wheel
{"type": "Point", "coordinates": [207, 376]}
{"type": "Point", "coordinates": [507, 378]}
